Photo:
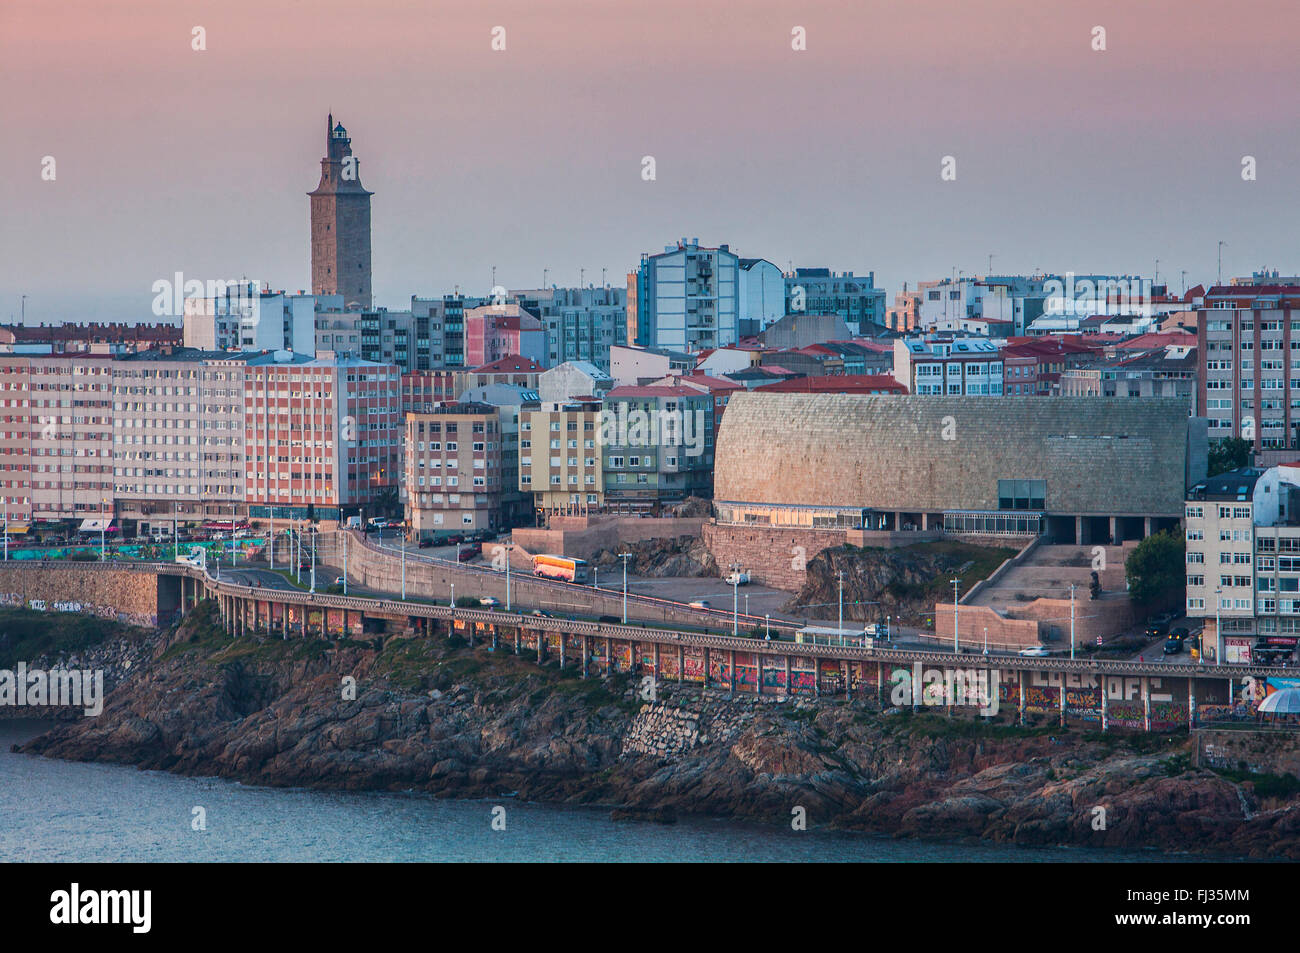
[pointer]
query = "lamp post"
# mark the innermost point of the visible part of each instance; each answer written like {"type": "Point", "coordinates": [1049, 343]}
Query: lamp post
{"type": "Point", "coordinates": [1071, 622]}
{"type": "Point", "coordinates": [1218, 628]}
{"type": "Point", "coordinates": [6, 533]}
{"type": "Point", "coordinates": [840, 576]}
{"type": "Point", "coordinates": [403, 545]}
{"type": "Point", "coordinates": [956, 648]}
{"type": "Point", "coordinates": [735, 599]}
{"type": "Point", "coordinates": [625, 557]}
{"type": "Point", "coordinates": [103, 528]}
{"type": "Point", "coordinates": [313, 567]}
{"type": "Point", "coordinates": [345, 564]}
{"type": "Point", "coordinates": [986, 640]}
{"type": "Point", "coordinates": [272, 539]}
{"type": "Point", "coordinates": [507, 549]}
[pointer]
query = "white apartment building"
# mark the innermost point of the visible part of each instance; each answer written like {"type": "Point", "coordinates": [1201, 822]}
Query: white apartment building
{"type": "Point", "coordinates": [950, 367]}
{"type": "Point", "coordinates": [1243, 562]}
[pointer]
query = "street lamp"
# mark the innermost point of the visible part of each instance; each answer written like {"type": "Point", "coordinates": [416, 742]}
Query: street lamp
{"type": "Point", "coordinates": [767, 621]}
{"type": "Point", "coordinates": [103, 527]}
{"type": "Point", "coordinates": [956, 648]}
{"type": "Point", "coordinates": [507, 550]}
{"type": "Point", "coordinates": [625, 557]}
{"type": "Point", "coordinates": [272, 539]}
{"type": "Point", "coordinates": [401, 543]}
{"type": "Point", "coordinates": [1071, 622]}
{"type": "Point", "coordinates": [840, 576]}
{"type": "Point", "coordinates": [1218, 628]}
{"type": "Point", "coordinates": [735, 599]}
{"type": "Point", "coordinates": [313, 567]}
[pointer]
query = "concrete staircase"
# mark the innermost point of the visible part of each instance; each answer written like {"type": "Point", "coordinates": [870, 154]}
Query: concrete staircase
{"type": "Point", "coordinates": [1049, 570]}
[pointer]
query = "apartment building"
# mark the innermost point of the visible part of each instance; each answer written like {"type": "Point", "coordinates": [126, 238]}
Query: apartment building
{"type": "Point", "coordinates": [453, 470]}
{"type": "Point", "coordinates": [1243, 562]}
{"type": "Point", "coordinates": [56, 445]}
{"type": "Point", "coordinates": [581, 324]}
{"type": "Point", "coordinates": [854, 299]}
{"type": "Point", "coordinates": [657, 444]}
{"type": "Point", "coordinates": [177, 432]}
{"type": "Point", "coordinates": [322, 435]}
{"type": "Point", "coordinates": [89, 338]}
{"type": "Point", "coordinates": [495, 331]}
{"type": "Point", "coordinates": [560, 456]}
{"type": "Point", "coordinates": [948, 366]}
{"type": "Point", "coordinates": [1248, 342]}
{"type": "Point", "coordinates": [688, 297]}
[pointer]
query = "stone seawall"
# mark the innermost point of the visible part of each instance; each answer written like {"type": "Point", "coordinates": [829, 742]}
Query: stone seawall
{"type": "Point", "coordinates": [118, 594]}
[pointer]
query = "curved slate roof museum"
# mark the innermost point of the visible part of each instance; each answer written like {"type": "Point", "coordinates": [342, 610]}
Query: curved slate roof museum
{"type": "Point", "coordinates": [1095, 455]}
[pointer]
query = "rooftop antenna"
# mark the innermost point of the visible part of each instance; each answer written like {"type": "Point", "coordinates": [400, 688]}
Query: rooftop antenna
{"type": "Point", "coordinates": [1184, 282]}
{"type": "Point", "coordinates": [544, 271]}
{"type": "Point", "coordinates": [990, 263]}
{"type": "Point", "coordinates": [1221, 244]}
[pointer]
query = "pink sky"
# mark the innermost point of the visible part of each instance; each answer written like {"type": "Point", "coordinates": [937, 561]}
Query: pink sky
{"type": "Point", "coordinates": [170, 159]}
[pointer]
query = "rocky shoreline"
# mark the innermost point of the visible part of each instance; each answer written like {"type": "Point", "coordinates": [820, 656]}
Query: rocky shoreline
{"type": "Point", "coordinates": [435, 716]}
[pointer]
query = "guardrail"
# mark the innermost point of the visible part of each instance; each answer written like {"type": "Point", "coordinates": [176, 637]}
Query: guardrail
{"type": "Point", "coordinates": [777, 647]}
{"type": "Point", "coordinates": [721, 615]}
{"type": "Point", "coordinates": [644, 633]}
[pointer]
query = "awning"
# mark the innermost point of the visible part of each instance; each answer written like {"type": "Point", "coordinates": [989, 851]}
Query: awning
{"type": "Point", "coordinates": [17, 529]}
{"type": "Point", "coordinates": [97, 525]}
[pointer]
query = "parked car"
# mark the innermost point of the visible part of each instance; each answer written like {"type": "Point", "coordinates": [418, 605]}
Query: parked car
{"type": "Point", "coordinates": [737, 579]}
{"type": "Point", "coordinates": [1158, 626]}
{"type": "Point", "coordinates": [455, 539]}
{"type": "Point", "coordinates": [1035, 651]}
{"type": "Point", "coordinates": [469, 551]}
{"type": "Point", "coordinates": [426, 543]}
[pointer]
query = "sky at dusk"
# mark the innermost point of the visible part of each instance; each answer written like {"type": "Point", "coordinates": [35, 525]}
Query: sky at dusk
{"type": "Point", "coordinates": [169, 159]}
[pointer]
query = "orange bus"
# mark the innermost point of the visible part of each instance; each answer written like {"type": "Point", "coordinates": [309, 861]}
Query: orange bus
{"type": "Point", "coordinates": [560, 567]}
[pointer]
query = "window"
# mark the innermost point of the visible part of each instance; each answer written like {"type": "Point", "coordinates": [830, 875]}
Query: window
{"type": "Point", "coordinates": [1022, 494]}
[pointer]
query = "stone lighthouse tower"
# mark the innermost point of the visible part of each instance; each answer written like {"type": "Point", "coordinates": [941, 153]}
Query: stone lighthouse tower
{"type": "Point", "coordinates": [340, 223]}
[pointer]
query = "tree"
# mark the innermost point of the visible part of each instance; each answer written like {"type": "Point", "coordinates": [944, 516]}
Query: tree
{"type": "Point", "coordinates": [386, 500]}
{"type": "Point", "coordinates": [1157, 571]}
{"type": "Point", "coordinates": [1227, 454]}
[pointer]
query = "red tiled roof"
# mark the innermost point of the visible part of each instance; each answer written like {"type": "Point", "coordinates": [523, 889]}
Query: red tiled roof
{"type": "Point", "coordinates": [836, 384]}
{"type": "Point", "coordinates": [510, 364]}
{"type": "Point", "coordinates": [711, 382]}
{"type": "Point", "coordinates": [654, 390]}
